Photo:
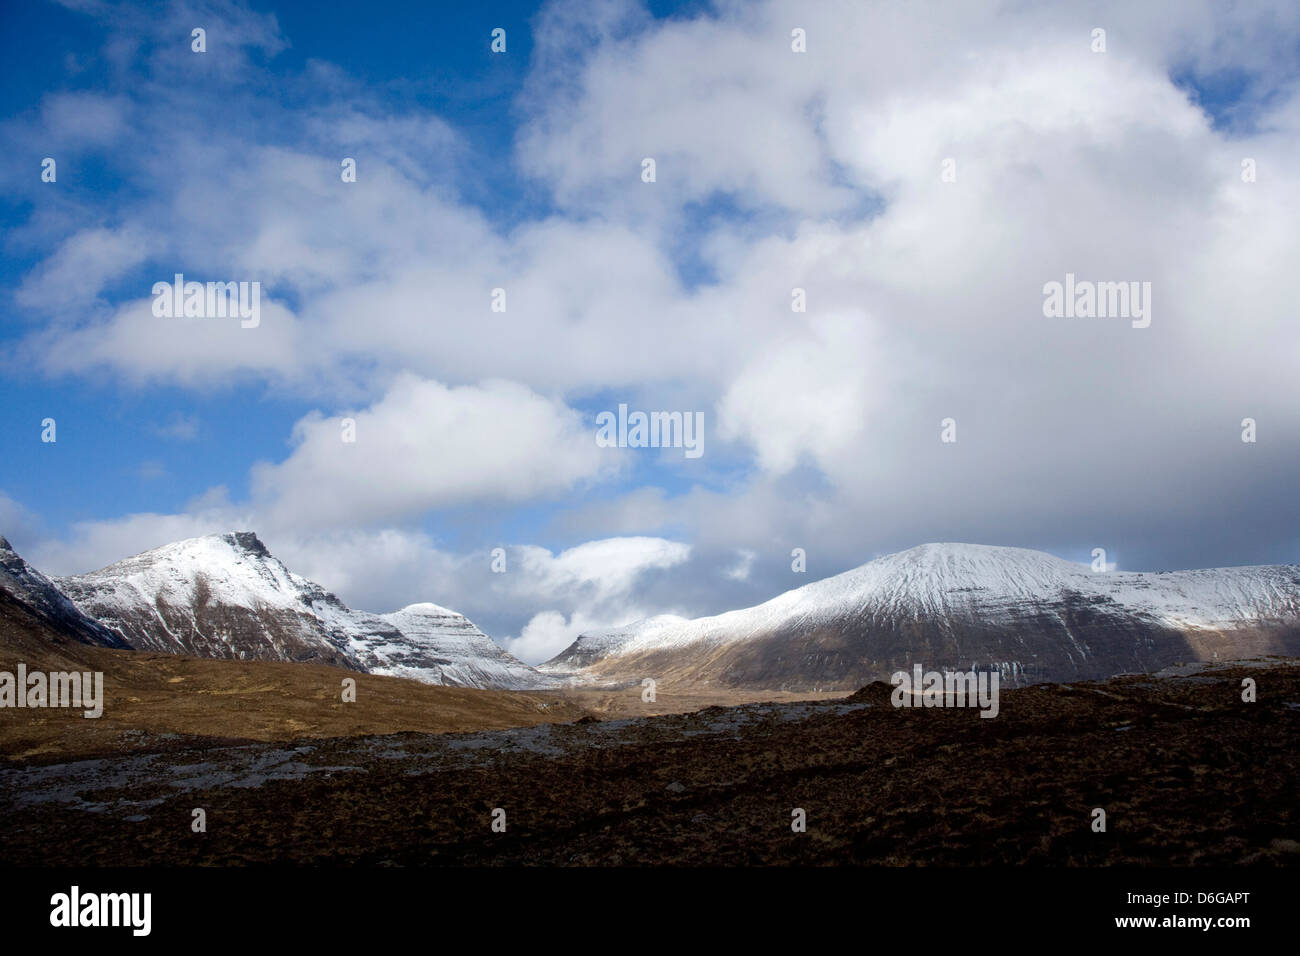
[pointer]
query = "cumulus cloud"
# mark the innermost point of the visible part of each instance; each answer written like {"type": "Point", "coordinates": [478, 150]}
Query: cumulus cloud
{"type": "Point", "coordinates": [813, 393]}
{"type": "Point", "coordinates": [194, 352]}
{"type": "Point", "coordinates": [425, 445]}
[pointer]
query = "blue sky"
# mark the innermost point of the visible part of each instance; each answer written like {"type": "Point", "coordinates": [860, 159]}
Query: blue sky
{"type": "Point", "coordinates": [419, 57]}
{"type": "Point", "coordinates": [522, 170]}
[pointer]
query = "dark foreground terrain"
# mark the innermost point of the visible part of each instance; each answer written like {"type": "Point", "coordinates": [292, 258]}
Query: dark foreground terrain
{"type": "Point", "coordinates": [1187, 773]}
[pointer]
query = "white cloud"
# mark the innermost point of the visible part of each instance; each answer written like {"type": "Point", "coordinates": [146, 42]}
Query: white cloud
{"type": "Point", "coordinates": [545, 635]}
{"type": "Point", "coordinates": [81, 119]}
{"type": "Point", "coordinates": [17, 523]}
{"type": "Point", "coordinates": [73, 277]}
{"type": "Point", "coordinates": [597, 582]}
{"type": "Point", "coordinates": [425, 445]}
{"type": "Point", "coordinates": [179, 427]}
{"type": "Point", "coordinates": [195, 352]}
{"type": "Point", "coordinates": [814, 393]}
{"type": "Point", "coordinates": [90, 545]}
{"type": "Point", "coordinates": [740, 571]}
{"type": "Point", "coordinates": [606, 569]}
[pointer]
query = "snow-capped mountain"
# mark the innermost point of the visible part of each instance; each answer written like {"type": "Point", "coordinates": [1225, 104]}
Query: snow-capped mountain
{"type": "Point", "coordinates": [1032, 616]}
{"type": "Point", "coordinates": [227, 596]}
{"type": "Point", "coordinates": [221, 596]}
{"type": "Point", "coordinates": [35, 592]}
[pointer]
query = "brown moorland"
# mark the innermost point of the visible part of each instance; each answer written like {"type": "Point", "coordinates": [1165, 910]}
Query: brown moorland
{"type": "Point", "coordinates": [166, 701]}
{"type": "Point", "coordinates": [1187, 772]}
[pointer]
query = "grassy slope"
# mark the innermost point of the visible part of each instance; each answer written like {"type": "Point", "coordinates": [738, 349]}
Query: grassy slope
{"type": "Point", "coordinates": [148, 695]}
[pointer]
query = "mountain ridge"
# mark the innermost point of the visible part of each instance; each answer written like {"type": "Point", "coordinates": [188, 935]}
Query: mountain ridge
{"type": "Point", "coordinates": [1031, 615]}
{"type": "Point", "coordinates": [1028, 614]}
{"type": "Point", "coordinates": [226, 596]}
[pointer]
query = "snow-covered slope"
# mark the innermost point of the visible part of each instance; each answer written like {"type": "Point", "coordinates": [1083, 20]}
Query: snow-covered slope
{"type": "Point", "coordinates": [33, 590]}
{"type": "Point", "coordinates": [1032, 615]}
{"type": "Point", "coordinates": [226, 596]}
{"type": "Point", "coordinates": [462, 654]}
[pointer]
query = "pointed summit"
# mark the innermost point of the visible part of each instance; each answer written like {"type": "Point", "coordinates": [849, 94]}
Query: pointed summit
{"type": "Point", "coordinates": [248, 541]}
